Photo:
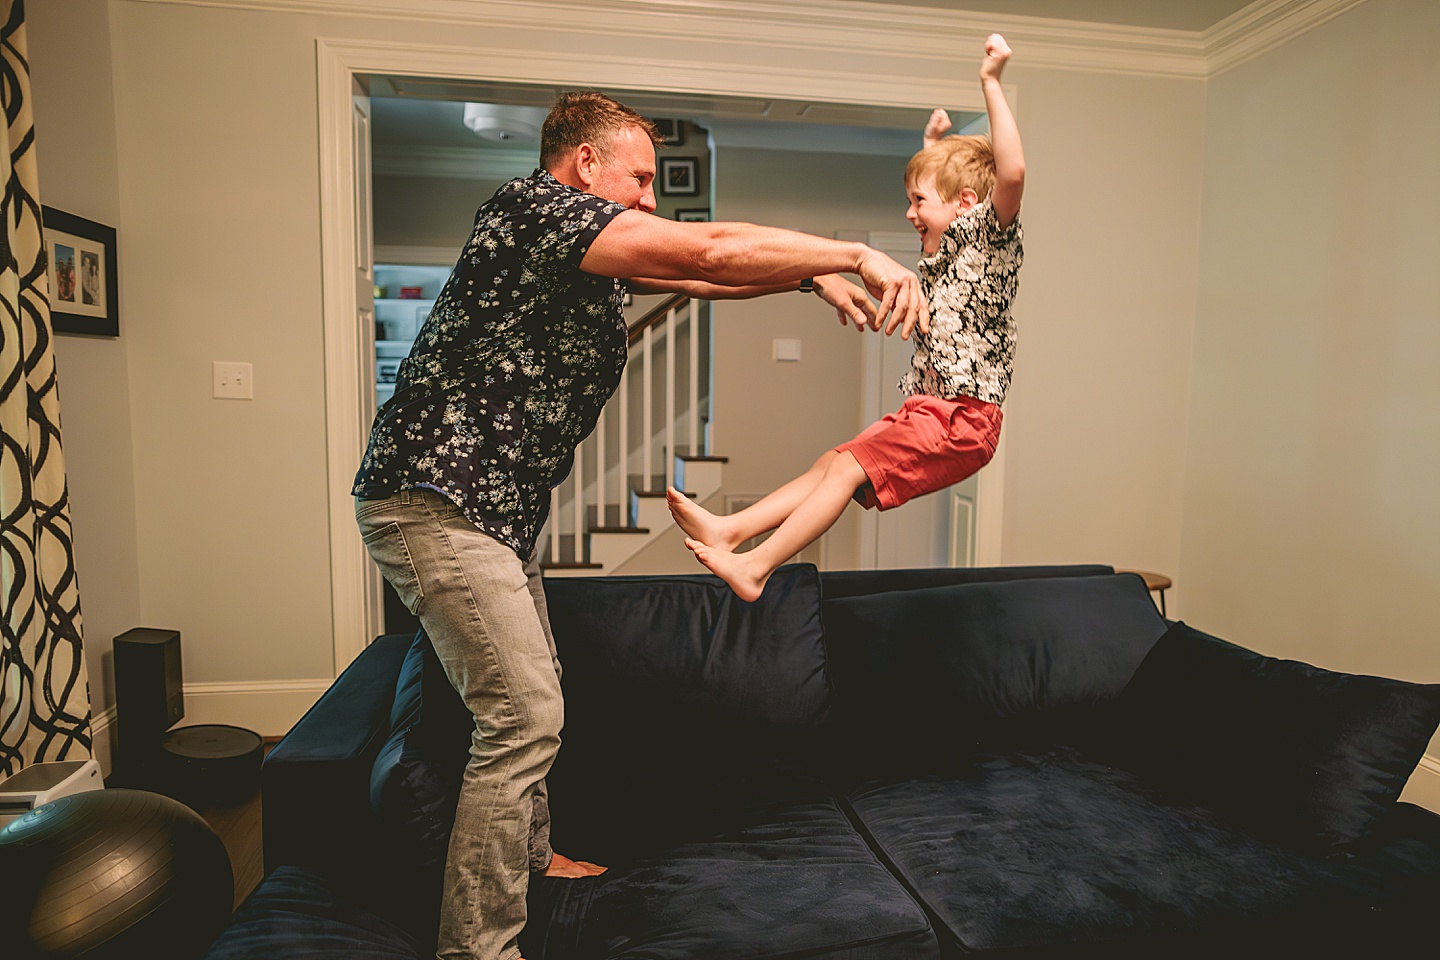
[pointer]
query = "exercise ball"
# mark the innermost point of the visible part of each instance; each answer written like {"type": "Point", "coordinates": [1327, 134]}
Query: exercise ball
{"type": "Point", "coordinates": [112, 874]}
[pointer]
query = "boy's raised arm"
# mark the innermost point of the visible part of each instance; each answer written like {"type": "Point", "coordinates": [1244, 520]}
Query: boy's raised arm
{"type": "Point", "coordinates": [936, 127]}
{"type": "Point", "coordinates": [1004, 135]}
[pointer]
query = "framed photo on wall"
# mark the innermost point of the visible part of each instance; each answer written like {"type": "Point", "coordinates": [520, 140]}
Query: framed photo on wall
{"type": "Point", "coordinates": [672, 130]}
{"type": "Point", "coordinates": [693, 215]}
{"type": "Point", "coordinates": [680, 176]}
{"type": "Point", "coordinates": [81, 263]}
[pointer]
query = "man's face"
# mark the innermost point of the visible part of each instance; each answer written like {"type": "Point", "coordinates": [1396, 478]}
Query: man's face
{"type": "Point", "coordinates": [627, 174]}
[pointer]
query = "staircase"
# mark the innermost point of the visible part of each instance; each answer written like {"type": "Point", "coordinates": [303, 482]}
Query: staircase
{"type": "Point", "coordinates": [613, 504]}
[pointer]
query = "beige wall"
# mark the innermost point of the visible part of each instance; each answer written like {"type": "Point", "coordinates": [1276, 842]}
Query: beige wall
{"type": "Point", "coordinates": [1312, 519]}
{"type": "Point", "coordinates": [215, 112]}
{"type": "Point", "coordinates": [75, 144]}
{"type": "Point", "coordinates": [217, 172]}
{"type": "Point", "coordinates": [773, 419]}
{"type": "Point", "coordinates": [427, 211]}
{"type": "Point", "coordinates": [211, 516]}
{"type": "Point", "coordinates": [1095, 420]}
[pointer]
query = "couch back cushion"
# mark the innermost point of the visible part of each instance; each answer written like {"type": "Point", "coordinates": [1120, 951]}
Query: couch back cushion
{"type": "Point", "coordinates": [675, 692]}
{"type": "Point", "coordinates": [1302, 755]}
{"type": "Point", "coordinates": [925, 676]}
{"type": "Point", "coordinates": [839, 584]}
{"type": "Point", "coordinates": [689, 639]}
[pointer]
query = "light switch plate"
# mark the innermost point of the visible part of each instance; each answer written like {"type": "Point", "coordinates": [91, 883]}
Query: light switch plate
{"type": "Point", "coordinates": [233, 380]}
{"type": "Point", "coordinates": [787, 351]}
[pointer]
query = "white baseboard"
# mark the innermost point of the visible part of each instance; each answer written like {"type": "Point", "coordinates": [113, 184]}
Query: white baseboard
{"type": "Point", "coordinates": [1423, 789]}
{"type": "Point", "coordinates": [102, 739]}
{"type": "Point", "coordinates": [269, 707]}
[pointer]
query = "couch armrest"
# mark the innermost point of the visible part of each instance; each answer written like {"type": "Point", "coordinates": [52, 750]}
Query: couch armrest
{"type": "Point", "coordinates": [315, 783]}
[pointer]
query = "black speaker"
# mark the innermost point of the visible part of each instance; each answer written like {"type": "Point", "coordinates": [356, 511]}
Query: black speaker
{"type": "Point", "coordinates": [149, 697]}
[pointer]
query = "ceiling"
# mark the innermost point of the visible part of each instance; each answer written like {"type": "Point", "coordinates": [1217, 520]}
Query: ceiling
{"type": "Point", "coordinates": [425, 114]}
{"type": "Point", "coordinates": [418, 114]}
{"type": "Point", "coordinates": [1193, 15]}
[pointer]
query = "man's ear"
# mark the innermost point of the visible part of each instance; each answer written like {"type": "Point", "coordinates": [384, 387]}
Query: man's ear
{"type": "Point", "coordinates": [586, 159]}
{"type": "Point", "coordinates": [968, 198]}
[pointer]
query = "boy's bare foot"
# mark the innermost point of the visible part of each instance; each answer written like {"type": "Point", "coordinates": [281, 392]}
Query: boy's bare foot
{"type": "Point", "coordinates": [697, 522]}
{"type": "Point", "coordinates": [561, 866]}
{"type": "Point", "coordinates": [733, 568]}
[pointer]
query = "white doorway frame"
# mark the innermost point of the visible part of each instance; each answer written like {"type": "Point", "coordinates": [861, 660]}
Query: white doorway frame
{"type": "Point", "coordinates": [354, 593]}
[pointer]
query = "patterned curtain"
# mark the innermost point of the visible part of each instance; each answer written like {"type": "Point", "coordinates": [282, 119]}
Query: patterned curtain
{"type": "Point", "coordinates": [44, 691]}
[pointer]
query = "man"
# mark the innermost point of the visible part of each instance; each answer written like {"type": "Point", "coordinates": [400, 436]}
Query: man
{"type": "Point", "coordinates": [524, 346]}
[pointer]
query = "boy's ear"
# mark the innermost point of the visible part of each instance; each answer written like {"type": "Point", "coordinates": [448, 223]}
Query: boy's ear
{"type": "Point", "coordinates": [968, 198]}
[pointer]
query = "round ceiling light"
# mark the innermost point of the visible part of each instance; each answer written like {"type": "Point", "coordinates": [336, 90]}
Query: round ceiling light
{"type": "Point", "coordinates": [504, 124]}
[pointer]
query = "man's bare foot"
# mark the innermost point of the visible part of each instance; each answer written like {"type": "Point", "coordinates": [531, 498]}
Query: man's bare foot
{"type": "Point", "coordinates": [697, 522]}
{"type": "Point", "coordinates": [561, 866]}
{"type": "Point", "coordinates": [733, 568]}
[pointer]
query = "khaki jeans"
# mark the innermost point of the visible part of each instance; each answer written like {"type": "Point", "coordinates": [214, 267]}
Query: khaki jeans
{"type": "Point", "coordinates": [484, 610]}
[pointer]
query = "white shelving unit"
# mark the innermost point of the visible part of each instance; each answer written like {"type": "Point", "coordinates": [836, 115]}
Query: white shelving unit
{"type": "Point", "coordinates": [398, 318]}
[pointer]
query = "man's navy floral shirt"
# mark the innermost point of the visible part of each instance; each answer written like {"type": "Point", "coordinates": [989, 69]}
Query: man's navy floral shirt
{"type": "Point", "coordinates": [511, 369]}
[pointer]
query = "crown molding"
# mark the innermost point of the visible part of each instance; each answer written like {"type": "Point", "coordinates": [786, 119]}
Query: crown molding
{"type": "Point", "coordinates": [1263, 26]}
{"type": "Point", "coordinates": [518, 65]}
{"type": "Point", "coordinates": [847, 27]}
{"type": "Point", "coordinates": [455, 163]}
{"type": "Point", "coordinates": [856, 27]}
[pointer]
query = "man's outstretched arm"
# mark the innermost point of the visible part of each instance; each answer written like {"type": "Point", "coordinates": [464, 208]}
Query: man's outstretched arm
{"type": "Point", "coordinates": [850, 301]}
{"type": "Point", "coordinates": [734, 254]}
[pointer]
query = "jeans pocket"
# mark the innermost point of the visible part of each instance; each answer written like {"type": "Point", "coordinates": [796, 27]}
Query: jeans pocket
{"type": "Point", "coordinates": [364, 509]}
{"type": "Point", "coordinates": [387, 547]}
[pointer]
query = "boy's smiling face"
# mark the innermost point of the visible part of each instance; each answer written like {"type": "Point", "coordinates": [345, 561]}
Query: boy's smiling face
{"type": "Point", "coordinates": [929, 214]}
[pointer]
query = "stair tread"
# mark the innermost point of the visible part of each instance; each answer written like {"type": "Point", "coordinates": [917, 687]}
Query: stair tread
{"type": "Point", "coordinates": [661, 493]}
{"type": "Point", "coordinates": [619, 529]}
{"type": "Point", "coordinates": [702, 459]}
{"type": "Point", "coordinates": [568, 565]}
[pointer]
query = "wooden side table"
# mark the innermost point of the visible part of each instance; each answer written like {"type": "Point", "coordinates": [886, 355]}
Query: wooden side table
{"type": "Point", "coordinates": [1156, 583]}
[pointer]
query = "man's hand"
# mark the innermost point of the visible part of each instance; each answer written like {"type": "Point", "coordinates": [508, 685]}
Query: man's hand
{"type": "Point", "coordinates": [997, 52]}
{"type": "Point", "coordinates": [850, 302]}
{"type": "Point", "coordinates": [901, 302]}
{"type": "Point", "coordinates": [936, 127]}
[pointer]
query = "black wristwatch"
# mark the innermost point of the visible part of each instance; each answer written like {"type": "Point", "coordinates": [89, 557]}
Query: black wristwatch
{"type": "Point", "coordinates": [807, 285]}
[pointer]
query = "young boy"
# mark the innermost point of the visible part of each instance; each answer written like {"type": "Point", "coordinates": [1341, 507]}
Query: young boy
{"type": "Point", "coordinates": [964, 195]}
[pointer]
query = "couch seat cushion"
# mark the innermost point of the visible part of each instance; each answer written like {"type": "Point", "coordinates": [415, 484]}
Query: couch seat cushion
{"type": "Point", "coordinates": [296, 913]}
{"type": "Point", "coordinates": [1048, 853]}
{"type": "Point", "coordinates": [786, 876]}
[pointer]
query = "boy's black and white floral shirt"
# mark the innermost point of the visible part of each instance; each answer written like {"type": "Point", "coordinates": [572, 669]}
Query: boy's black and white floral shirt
{"type": "Point", "coordinates": [511, 369]}
{"type": "Point", "coordinates": [970, 283]}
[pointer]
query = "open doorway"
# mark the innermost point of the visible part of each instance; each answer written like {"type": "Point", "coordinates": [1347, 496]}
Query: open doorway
{"type": "Point", "coordinates": [451, 82]}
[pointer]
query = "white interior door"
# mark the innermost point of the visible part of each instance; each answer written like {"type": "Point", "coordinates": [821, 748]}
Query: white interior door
{"type": "Point", "coordinates": [936, 530]}
{"type": "Point", "coordinates": [364, 261]}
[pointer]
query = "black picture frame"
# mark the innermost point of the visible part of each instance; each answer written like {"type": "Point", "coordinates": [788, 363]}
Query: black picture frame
{"type": "Point", "coordinates": [673, 131]}
{"type": "Point", "coordinates": [82, 265]}
{"type": "Point", "coordinates": [680, 176]}
{"type": "Point", "coordinates": [693, 215]}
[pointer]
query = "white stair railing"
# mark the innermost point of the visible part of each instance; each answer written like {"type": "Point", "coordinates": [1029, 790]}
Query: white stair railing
{"type": "Point", "coordinates": [679, 382]}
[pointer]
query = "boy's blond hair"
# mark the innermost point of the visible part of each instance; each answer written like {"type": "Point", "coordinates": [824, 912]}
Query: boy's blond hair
{"type": "Point", "coordinates": [585, 116]}
{"type": "Point", "coordinates": [957, 163]}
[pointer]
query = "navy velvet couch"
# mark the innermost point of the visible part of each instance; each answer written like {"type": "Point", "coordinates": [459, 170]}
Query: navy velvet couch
{"type": "Point", "coordinates": [1027, 763]}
